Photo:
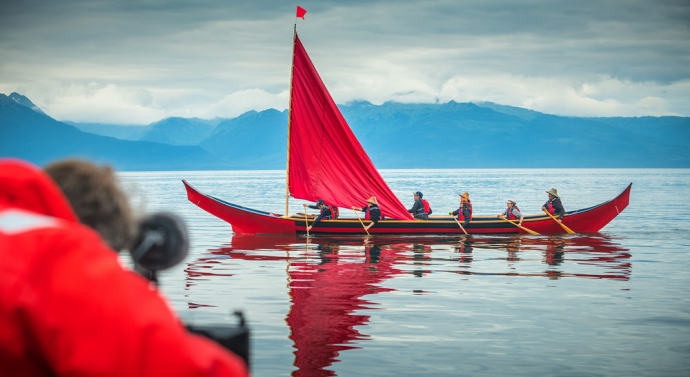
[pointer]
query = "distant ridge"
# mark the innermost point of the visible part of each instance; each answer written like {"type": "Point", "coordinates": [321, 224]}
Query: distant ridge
{"type": "Point", "coordinates": [467, 135]}
{"type": "Point", "coordinates": [254, 140]}
{"type": "Point", "coordinates": [447, 135]}
{"type": "Point", "coordinates": [20, 99]}
{"type": "Point", "coordinates": [519, 112]}
{"type": "Point", "coordinates": [124, 132]}
{"type": "Point", "coordinates": [178, 131]}
{"type": "Point", "coordinates": [33, 136]}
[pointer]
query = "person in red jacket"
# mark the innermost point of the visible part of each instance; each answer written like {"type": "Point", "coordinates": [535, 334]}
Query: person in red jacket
{"type": "Point", "coordinates": [512, 212]}
{"type": "Point", "coordinates": [464, 212]}
{"type": "Point", "coordinates": [68, 307]}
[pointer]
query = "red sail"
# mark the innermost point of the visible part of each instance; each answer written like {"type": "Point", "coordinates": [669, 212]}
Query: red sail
{"type": "Point", "coordinates": [326, 160]}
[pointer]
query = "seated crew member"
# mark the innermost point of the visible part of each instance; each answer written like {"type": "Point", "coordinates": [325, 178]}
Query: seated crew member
{"type": "Point", "coordinates": [372, 212]}
{"type": "Point", "coordinates": [327, 212]}
{"type": "Point", "coordinates": [512, 212]}
{"type": "Point", "coordinates": [421, 208]}
{"type": "Point", "coordinates": [79, 312]}
{"type": "Point", "coordinates": [554, 205]}
{"type": "Point", "coordinates": [464, 212]}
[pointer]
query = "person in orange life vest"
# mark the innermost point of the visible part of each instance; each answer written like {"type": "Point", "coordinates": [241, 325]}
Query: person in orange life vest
{"type": "Point", "coordinates": [67, 305]}
{"type": "Point", "coordinates": [512, 212]}
{"type": "Point", "coordinates": [421, 208]}
{"type": "Point", "coordinates": [464, 212]}
{"type": "Point", "coordinates": [554, 205]}
{"type": "Point", "coordinates": [328, 212]}
{"type": "Point", "coordinates": [371, 212]}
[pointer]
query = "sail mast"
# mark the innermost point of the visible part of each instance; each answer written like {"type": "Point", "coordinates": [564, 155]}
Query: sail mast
{"type": "Point", "coordinates": [287, 170]}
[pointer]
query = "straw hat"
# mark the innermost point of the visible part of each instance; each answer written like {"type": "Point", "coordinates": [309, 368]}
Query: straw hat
{"type": "Point", "coordinates": [372, 200]}
{"type": "Point", "coordinates": [465, 195]}
{"type": "Point", "coordinates": [553, 192]}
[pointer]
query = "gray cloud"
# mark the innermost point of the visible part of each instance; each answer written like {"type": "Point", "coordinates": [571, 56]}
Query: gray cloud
{"type": "Point", "coordinates": [198, 58]}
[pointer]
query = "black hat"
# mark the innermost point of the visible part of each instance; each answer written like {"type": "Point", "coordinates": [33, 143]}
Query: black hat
{"type": "Point", "coordinates": [318, 204]}
{"type": "Point", "coordinates": [418, 193]}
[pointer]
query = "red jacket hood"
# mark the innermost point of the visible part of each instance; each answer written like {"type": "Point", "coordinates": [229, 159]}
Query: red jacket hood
{"type": "Point", "coordinates": [25, 186]}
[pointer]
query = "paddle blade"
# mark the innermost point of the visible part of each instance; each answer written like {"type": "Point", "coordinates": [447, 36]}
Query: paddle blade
{"type": "Point", "coordinates": [529, 231]}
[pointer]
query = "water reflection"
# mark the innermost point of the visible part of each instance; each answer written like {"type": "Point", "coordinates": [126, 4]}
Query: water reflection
{"type": "Point", "coordinates": [326, 295]}
{"type": "Point", "coordinates": [331, 280]}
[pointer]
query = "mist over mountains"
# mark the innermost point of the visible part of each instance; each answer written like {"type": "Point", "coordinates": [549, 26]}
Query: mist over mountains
{"type": "Point", "coordinates": [395, 135]}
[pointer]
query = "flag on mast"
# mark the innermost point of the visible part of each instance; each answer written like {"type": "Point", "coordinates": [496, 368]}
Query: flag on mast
{"type": "Point", "coordinates": [301, 12]}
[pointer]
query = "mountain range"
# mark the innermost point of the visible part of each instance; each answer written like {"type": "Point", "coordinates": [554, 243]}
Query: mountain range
{"type": "Point", "coordinates": [31, 135]}
{"type": "Point", "coordinates": [395, 135]}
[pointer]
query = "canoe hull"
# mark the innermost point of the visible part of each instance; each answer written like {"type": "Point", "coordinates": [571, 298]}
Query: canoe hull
{"type": "Point", "coordinates": [249, 221]}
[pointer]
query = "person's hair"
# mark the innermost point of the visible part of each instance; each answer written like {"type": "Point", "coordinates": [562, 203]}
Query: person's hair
{"type": "Point", "coordinates": [96, 198]}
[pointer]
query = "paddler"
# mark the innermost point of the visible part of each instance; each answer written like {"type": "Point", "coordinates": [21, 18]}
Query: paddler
{"type": "Point", "coordinates": [371, 212]}
{"type": "Point", "coordinates": [327, 212]}
{"type": "Point", "coordinates": [464, 212]}
{"type": "Point", "coordinates": [512, 212]}
{"type": "Point", "coordinates": [421, 208]}
{"type": "Point", "coordinates": [554, 205]}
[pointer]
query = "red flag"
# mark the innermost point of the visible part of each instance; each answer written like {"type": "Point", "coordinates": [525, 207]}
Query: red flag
{"type": "Point", "coordinates": [301, 12]}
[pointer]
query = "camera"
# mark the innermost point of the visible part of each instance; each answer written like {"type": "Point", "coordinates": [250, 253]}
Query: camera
{"type": "Point", "coordinates": [162, 242]}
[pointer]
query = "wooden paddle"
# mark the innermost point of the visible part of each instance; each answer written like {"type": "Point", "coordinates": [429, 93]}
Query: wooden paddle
{"type": "Point", "coordinates": [519, 226]}
{"type": "Point", "coordinates": [460, 225]}
{"type": "Point", "coordinates": [556, 220]}
{"type": "Point", "coordinates": [360, 220]}
{"type": "Point", "coordinates": [305, 219]}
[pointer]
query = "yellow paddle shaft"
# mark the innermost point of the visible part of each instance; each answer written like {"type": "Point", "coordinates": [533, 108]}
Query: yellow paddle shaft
{"type": "Point", "coordinates": [460, 225]}
{"type": "Point", "coordinates": [360, 221]}
{"type": "Point", "coordinates": [556, 220]}
{"type": "Point", "coordinates": [520, 226]}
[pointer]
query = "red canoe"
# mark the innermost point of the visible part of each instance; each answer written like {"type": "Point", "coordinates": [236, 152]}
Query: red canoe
{"type": "Point", "coordinates": [246, 220]}
{"type": "Point", "coordinates": [327, 162]}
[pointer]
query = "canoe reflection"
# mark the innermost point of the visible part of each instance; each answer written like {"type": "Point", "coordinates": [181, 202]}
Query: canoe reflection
{"type": "Point", "coordinates": [329, 278]}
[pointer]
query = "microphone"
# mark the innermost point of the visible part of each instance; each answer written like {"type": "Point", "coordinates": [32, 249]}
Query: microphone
{"type": "Point", "coordinates": [161, 242]}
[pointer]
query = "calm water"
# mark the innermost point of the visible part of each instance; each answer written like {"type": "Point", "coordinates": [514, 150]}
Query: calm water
{"type": "Point", "coordinates": [615, 303]}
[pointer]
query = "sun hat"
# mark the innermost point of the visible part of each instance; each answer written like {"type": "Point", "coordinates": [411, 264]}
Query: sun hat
{"type": "Point", "coordinates": [372, 200]}
{"type": "Point", "coordinates": [465, 195]}
{"type": "Point", "coordinates": [511, 201]}
{"type": "Point", "coordinates": [553, 192]}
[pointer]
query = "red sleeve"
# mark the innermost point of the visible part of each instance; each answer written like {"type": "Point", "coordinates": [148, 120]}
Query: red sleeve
{"type": "Point", "coordinates": [89, 316]}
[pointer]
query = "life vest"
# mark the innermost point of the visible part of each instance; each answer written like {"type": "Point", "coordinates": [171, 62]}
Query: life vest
{"type": "Point", "coordinates": [427, 207]}
{"type": "Point", "coordinates": [421, 210]}
{"type": "Point", "coordinates": [335, 213]}
{"type": "Point", "coordinates": [461, 216]}
{"type": "Point", "coordinates": [327, 217]}
{"type": "Point", "coordinates": [367, 213]}
{"type": "Point", "coordinates": [510, 213]}
{"type": "Point", "coordinates": [549, 207]}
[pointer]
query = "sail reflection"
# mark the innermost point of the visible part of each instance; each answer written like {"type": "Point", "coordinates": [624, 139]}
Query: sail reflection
{"type": "Point", "coordinates": [326, 295]}
{"type": "Point", "coordinates": [331, 279]}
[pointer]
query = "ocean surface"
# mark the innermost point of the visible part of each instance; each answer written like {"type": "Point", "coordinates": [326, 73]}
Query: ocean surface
{"type": "Point", "coordinates": [614, 303]}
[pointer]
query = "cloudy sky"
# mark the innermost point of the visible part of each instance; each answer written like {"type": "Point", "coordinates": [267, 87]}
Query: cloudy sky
{"type": "Point", "coordinates": [135, 62]}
